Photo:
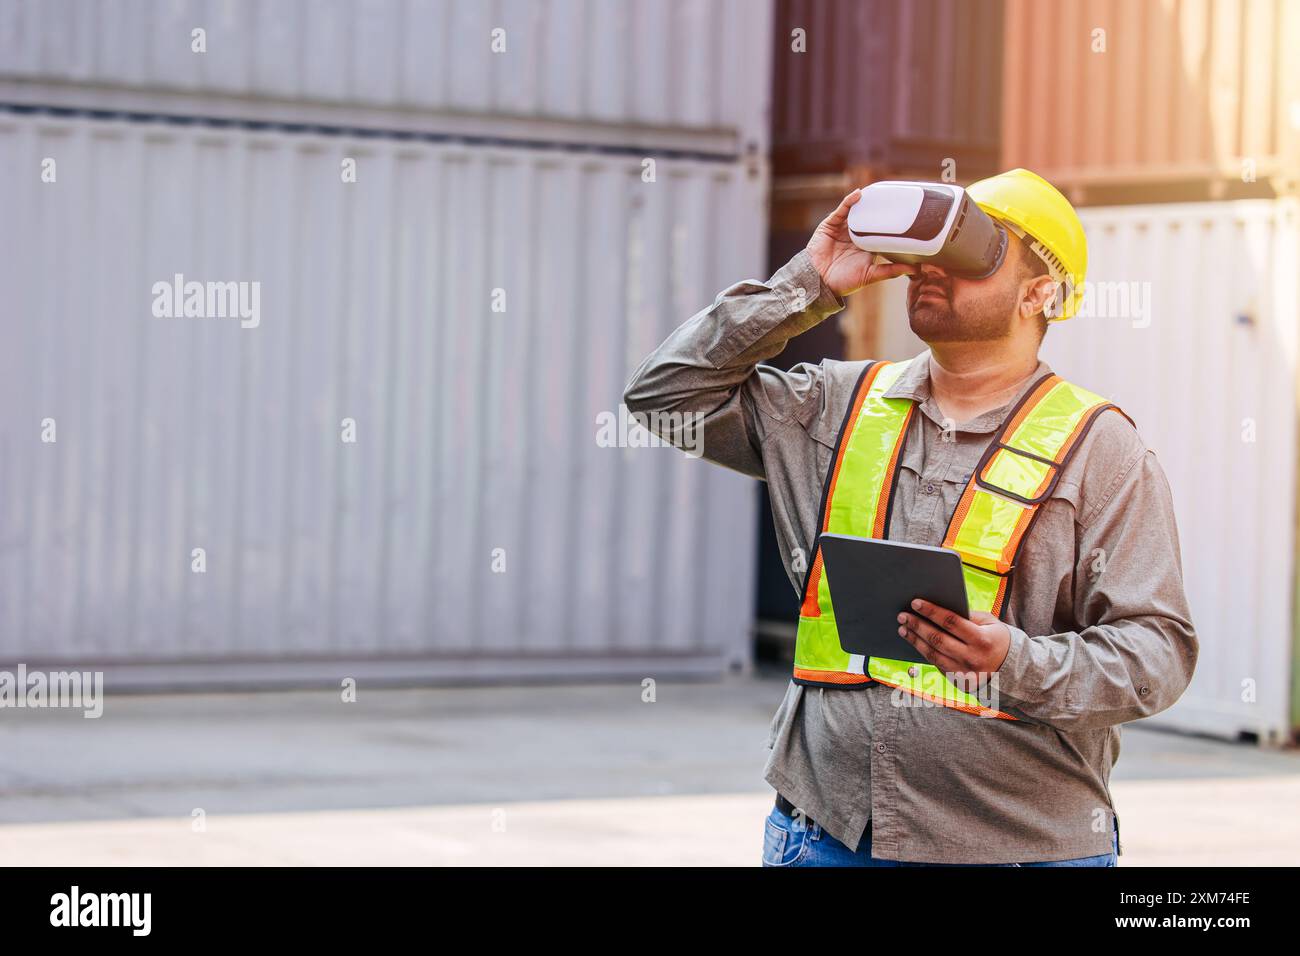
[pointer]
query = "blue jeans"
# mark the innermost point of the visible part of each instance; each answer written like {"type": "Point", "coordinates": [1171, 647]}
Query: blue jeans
{"type": "Point", "coordinates": [790, 843]}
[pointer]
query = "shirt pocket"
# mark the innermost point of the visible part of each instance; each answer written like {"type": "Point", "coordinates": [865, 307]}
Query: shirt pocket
{"type": "Point", "coordinates": [923, 487]}
{"type": "Point", "coordinates": [1049, 556]}
{"type": "Point", "coordinates": [825, 432]}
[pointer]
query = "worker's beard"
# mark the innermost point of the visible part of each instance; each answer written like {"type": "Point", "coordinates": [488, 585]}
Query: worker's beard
{"type": "Point", "coordinates": [935, 319]}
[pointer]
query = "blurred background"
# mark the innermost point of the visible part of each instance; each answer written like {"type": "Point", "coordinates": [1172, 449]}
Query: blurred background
{"type": "Point", "coordinates": [468, 222]}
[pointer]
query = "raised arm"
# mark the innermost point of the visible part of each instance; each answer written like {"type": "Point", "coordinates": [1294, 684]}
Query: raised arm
{"type": "Point", "coordinates": [709, 366]}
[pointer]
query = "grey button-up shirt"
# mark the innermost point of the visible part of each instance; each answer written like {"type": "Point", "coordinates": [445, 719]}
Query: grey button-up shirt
{"type": "Point", "coordinates": [1100, 628]}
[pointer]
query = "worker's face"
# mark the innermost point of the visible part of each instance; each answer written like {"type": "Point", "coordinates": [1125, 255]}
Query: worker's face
{"type": "Point", "coordinates": [946, 308]}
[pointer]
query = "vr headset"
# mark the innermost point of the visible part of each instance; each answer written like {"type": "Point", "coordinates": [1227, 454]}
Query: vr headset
{"type": "Point", "coordinates": [937, 223]}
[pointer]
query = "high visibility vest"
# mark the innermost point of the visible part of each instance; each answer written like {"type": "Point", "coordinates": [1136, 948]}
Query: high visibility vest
{"type": "Point", "coordinates": [1016, 474]}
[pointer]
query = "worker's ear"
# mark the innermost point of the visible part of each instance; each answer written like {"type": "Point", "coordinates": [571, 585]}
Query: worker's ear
{"type": "Point", "coordinates": [1038, 292]}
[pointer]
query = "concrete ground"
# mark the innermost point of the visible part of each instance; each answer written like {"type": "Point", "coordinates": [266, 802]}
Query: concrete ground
{"type": "Point", "coordinates": [535, 775]}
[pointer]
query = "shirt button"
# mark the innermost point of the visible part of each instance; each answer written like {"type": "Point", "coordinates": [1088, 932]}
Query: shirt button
{"type": "Point", "coordinates": [881, 748]}
{"type": "Point", "coordinates": [913, 671]}
{"type": "Point", "coordinates": [1144, 690]}
{"type": "Point", "coordinates": [929, 488]}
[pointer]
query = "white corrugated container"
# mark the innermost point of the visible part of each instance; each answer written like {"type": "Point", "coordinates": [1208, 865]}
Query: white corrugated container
{"type": "Point", "coordinates": [476, 429]}
{"type": "Point", "coordinates": [668, 65]}
{"type": "Point", "coordinates": [1210, 377]}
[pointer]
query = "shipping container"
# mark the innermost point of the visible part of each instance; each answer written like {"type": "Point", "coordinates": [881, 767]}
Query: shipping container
{"type": "Point", "coordinates": [399, 469]}
{"type": "Point", "coordinates": [1144, 102]}
{"type": "Point", "coordinates": [650, 68]}
{"type": "Point", "coordinates": [1191, 328]}
{"type": "Point", "coordinates": [910, 86]}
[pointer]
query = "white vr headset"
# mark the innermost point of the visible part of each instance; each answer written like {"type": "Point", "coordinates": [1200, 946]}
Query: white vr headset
{"type": "Point", "coordinates": [937, 223]}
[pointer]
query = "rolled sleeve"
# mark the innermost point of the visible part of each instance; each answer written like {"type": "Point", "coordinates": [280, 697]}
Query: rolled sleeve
{"type": "Point", "coordinates": [757, 319]}
{"type": "Point", "coordinates": [708, 367]}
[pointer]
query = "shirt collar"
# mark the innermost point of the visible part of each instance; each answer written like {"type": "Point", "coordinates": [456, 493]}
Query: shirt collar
{"type": "Point", "coordinates": [914, 384]}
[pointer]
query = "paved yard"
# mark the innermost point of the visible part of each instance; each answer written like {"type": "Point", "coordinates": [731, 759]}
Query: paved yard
{"type": "Point", "coordinates": [546, 774]}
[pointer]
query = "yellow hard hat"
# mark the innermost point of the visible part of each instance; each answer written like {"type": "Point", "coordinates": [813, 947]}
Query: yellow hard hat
{"type": "Point", "coordinates": [1037, 212]}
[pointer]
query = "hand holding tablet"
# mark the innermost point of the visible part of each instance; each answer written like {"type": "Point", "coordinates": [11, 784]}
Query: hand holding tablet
{"type": "Point", "coordinates": [872, 581]}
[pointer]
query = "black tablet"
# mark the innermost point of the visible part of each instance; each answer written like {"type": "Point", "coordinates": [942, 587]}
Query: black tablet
{"type": "Point", "coordinates": [872, 581]}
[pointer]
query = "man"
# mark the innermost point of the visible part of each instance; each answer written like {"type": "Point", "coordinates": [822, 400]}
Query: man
{"type": "Point", "coordinates": [1063, 518]}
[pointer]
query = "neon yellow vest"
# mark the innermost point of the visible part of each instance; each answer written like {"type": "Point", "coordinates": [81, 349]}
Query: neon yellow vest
{"type": "Point", "coordinates": [1015, 475]}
